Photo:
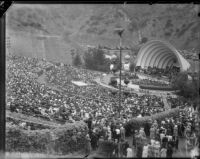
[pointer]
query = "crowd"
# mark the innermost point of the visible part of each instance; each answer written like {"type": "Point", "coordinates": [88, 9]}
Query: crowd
{"type": "Point", "coordinates": [175, 101]}
{"type": "Point", "coordinates": [150, 82]}
{"type": "Point", "coordinates": [168, 72]}
{"type": "Point", "coordinates": [69, 102]}
{"type": "Point", "coordinates": [155, 140]}
{"type": "Point", "coordinates": [59, 99]}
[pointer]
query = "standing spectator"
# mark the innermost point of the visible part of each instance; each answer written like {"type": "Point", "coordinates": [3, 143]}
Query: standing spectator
{"type": "Point", "coordinates": [157, 149]}
{"type": "Point", "coordinates": [147, 127]}
{"type": "Point", "coordinates": [94, 140]}
{"type": "Point", "coordinates": [163, 152]}
{"type": "Point", "coordinates": [129, 152]}
{"type": "Point", "coordinates": [122, 132]}
{"type": "Point", "coordinates": [88, 145]}
{"type": "Point", "coordinates": [152, 132]}
{"type": "Point", "coordinates": [175, 136]}
{"type": "Point", "coordinates": [151, 150]}
{"type": "Point", "coordinates": [142, 133]}
{"type": "Point", "coordinates": [169, 151]}
{"type": "Point", "coordinates": [162, 135]}
{"type": "Point", "coordinates": [116, 149]}
{"type": "Point", "coordinates": [145, 150]}
{"type": "Point", "coordinates": [165, 141]}
{"type": "Point", "coordinates": [125, 145]}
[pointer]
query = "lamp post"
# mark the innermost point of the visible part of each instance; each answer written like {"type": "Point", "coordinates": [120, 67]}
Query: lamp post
{"type": "Point", "coordinates": [120, 31]}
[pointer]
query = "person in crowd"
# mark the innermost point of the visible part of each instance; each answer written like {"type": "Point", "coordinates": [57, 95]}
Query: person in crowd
{"type": "Point", "coordinates": [88, 145]}
{"type": "Point", "coordinates": [122, 132]}
{"type": "Point", "coordinates": [151, 149]}
{"type": "Point", "coordinates": [165, 141]}
{"type": "Point", "coordinates": [145, 150]}
{"type": "Point", "coordinates": [163, 152]}
{"type": "Point", "coordinates": [175, 136]}
{"type": "Point", "coordinates": [116, 149]}
{"type": "Point", "coordinates": [58, 100]}
{"type": "Point", "coordinates": [142, 133]}
{"type": "Point", "coordinates": [129, 152]}
{"type": "Point", "coordinates": [157, 149]}
{"type": "Point", "coordinates": [152, 132]}
{"type": "Point", "coordinates": [169, 151]}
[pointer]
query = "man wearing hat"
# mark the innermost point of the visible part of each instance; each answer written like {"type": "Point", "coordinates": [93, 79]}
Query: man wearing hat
{"type": "Point", "coordinates": [175, 136]}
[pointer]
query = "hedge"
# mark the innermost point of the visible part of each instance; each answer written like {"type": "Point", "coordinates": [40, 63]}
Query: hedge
{"type": "Point", "coordinates": [136, 123]}
{"type": "Point", "coordinates": [61, 140]}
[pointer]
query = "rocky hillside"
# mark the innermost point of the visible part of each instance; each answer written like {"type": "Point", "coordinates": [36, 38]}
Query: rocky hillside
{"type": "Point", "coordinates": [76, 26]}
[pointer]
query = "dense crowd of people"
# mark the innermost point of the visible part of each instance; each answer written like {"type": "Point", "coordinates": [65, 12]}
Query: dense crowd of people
{"type": "Point", "coordinates": [176, 101]}
{"type": "Point", "coordinates": [156, 139]}
{"type": "Point", "coordinates": [59, 100]}
{"type": "Point", "coordinates": [68, 102]}
{"type": "Point", "coordinates": [150, 82]}
{"type": "Point", "coordinates": [168, 72]}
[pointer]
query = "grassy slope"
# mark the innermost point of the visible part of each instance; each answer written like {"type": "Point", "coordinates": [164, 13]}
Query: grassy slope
{"type": "Point", "coordinates": [77, 26]}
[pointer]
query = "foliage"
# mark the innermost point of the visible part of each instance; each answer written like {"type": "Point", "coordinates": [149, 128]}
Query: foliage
{"type": "Point", "coordinates": [188, 88]}
{"type": "Point", "coordinates": [77, 60]}
{"type": "Point", "coordinates": [144, 40]}
{"type": "Point", "coordinates": [62, 140]}
{"type": "Point", "coordinates": [136, 123]}
{"type": "Point", "coordinates": [94, 59]}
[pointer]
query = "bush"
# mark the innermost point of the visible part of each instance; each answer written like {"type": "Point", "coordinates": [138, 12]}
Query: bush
{"type": "Point", "coordinates": [77, 60]}
{"type": "Point", "coordinates": [136, 123]}
{"type": "Point", "coordinates": [61, 140]}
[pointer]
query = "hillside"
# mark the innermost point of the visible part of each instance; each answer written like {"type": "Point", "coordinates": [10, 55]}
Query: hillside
{"type": "Point", "coordinates": [47, 29]}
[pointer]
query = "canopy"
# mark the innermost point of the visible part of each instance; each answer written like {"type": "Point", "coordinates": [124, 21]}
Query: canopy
{"type": "Point", "coordinates": [160, 54]}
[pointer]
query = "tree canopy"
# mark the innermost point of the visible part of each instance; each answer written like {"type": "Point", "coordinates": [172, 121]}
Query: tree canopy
{"type": "Point", "coordinates": [94, 59]}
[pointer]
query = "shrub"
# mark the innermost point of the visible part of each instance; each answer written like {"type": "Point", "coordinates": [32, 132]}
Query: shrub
{"type": "Point", "coordinates": [136, 123]}
{"type": "Point", "coordinates": [61, 140]}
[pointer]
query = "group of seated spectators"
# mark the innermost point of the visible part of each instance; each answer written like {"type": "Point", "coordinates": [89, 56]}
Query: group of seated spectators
{"type": "Point", "coordinates": [175, 101]}
{"type": "Point", "coordinates": [150, 82]}
{"type": "Point", "coordinates": [97, 106]}
{"type": "Point", "coordinates": [68, 102]}
{"type": "Point", "coordinates": [168, 72]}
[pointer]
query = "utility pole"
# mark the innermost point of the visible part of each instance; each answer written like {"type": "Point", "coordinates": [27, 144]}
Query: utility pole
{"type": "Point", "coordinates": [120, 32]}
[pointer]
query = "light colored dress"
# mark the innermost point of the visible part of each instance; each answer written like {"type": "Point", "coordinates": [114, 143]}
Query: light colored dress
{"type": "Point", "coordinates": [163, 152]}
{"type": "Point", "coordinates": [145, 151]}
{"type": "Point", "coordinates": [129, 152]}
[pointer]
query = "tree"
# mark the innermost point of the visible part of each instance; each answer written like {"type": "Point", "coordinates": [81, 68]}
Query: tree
{"type": "Point", "coordinates": [144, 40]}
{"type": "Point", "coordinates": [189, 89]}
{"type": "Point", "coordinates": [94, 59]}
{"type": "Point", "coordinates": [77, 60]}
{"type": "Point", "coordinates": [72, 53]}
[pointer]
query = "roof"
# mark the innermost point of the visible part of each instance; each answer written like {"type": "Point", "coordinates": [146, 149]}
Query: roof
{"type": "Point", "coordinates": [160, 54]}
